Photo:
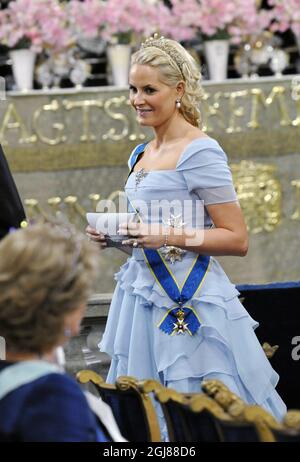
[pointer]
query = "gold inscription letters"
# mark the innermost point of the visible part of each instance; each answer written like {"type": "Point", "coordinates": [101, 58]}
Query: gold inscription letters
{"type": "Point", "coordinates": [230, 112]}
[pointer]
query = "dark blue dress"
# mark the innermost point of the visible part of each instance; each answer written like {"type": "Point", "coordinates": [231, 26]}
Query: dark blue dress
{"type": "Point", "coordinates": [51, 408]}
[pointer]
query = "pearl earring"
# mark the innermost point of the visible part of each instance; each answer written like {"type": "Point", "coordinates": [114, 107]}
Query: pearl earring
{"type": "Point", "coordinates": [178, 104]}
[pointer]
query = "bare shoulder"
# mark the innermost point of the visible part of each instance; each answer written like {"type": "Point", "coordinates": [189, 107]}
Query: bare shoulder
{"type": "Point", "coordinates": [195, 134]}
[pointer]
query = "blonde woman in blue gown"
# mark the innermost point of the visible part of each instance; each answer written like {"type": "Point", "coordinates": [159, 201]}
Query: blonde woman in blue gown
{"type": "Point", "coordinates": [175, 316]}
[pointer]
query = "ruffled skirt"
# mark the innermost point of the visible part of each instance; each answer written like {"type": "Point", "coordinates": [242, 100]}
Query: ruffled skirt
{"type": "Point", "coordinates": [225, 346]}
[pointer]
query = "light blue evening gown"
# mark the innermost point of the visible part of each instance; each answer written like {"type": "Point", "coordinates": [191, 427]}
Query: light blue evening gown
{"type": "Point", "coordinates": [225, 347]}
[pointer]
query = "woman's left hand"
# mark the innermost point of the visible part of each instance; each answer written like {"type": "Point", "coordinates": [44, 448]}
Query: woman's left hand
{"type": "Point", "coordinates": [147, 235]}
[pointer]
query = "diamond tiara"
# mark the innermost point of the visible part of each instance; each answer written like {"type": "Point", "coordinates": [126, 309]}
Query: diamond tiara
{"type": "Point", "coordinates": [162, 44]}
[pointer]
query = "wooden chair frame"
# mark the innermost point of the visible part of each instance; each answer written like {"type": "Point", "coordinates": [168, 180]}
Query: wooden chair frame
{"type": "Point", "coordinates": [262, 420]}
{"type": "Point", "coordinates": [123, 384]}
{"type": "Point", "coordinates": [195, 402]}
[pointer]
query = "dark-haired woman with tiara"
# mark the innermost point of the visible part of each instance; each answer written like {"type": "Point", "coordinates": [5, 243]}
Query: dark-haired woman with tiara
{"type": "Point", "coordinates": [175, 316]}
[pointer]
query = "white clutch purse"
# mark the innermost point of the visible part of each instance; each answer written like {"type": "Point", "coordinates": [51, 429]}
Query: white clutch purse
{"type": "Point", "coordinates": [108, 224]}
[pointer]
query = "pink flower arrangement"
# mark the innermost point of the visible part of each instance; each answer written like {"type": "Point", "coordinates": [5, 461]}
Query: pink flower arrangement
{"type": "Point", "coordinates": [39, 24]}
{"type": "Point", "coordinates": [286, 15]}
{"type": "Point", "coordinates": [217, 19]}
{"type": "Point", "coordinates": [249, 21]}
{"type": "Point", "coordinates": [122, 21]}
{"type": "Point", "coordinates": [215, 16]}
{"type": "Point", "coordinates": [116, 21]}
{"type": "Point", "coordinates": [35, 25]}
{"type": "Point", "coordinates": [86, 17]}
{"type": "Point", "coordinates": [181, 21]}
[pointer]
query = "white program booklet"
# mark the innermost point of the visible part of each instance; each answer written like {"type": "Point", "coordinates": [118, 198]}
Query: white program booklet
{"type": "Point", "coordinates": [108, 224]}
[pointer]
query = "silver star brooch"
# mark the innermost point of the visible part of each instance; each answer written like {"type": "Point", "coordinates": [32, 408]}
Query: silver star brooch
{"type": "Point", "coordinates": [172, 254]}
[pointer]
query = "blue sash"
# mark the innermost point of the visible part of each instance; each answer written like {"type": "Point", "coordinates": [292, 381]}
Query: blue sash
{"type": "Point", "coordinates": [134, 156]}
{"type": "Point", "coordinates": [181, 318]}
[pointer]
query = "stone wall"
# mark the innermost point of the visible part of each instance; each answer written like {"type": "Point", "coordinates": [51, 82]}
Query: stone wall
{"type": "Point", "coordinates": [82, 351]}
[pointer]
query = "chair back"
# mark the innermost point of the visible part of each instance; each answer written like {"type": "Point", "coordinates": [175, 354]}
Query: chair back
{"type": "Point", "coordinates": [189, 417]}
{"type": "Point", "coordinates": [249, 423]}
{"type": "Point", "coordinates": [289, 432]}
{"type": "Point", "coordinates": [235, 431]}
{"type": "Point", "coordinates": [132, 408]}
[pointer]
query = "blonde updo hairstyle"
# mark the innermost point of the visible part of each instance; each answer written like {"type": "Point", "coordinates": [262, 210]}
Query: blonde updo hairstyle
{"type": "Point", "coordinates": [172, 73]}
{"type": "Point", "coordinates": [46, 272]}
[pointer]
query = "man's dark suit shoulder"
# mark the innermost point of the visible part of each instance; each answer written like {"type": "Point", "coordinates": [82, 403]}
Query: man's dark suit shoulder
{"type": "Point", "coordinates": [11, 208]}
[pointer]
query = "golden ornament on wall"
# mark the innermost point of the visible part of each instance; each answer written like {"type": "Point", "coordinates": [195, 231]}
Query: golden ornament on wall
{"type": "Point", "coordinates": [296, 214]}
{"type": "Point", "coordinates": [260, 195]}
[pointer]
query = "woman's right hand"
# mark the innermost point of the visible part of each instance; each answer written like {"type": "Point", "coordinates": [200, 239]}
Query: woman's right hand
{"type": "Point", "coordinates": [94, 236]}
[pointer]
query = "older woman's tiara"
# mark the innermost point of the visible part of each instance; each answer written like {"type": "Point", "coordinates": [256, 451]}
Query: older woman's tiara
{"type": "Point", "coordinates": [162, 44]}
